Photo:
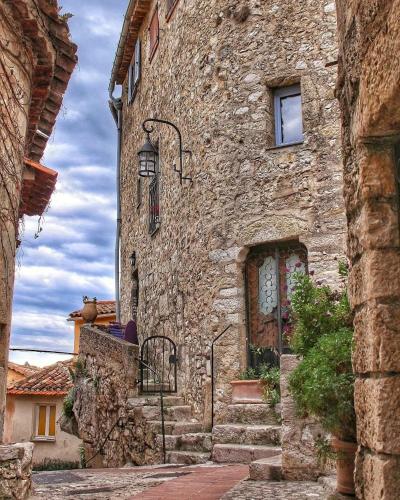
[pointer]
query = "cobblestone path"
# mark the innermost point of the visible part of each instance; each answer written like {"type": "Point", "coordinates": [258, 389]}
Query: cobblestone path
{"type": "Point", "coordinates": [272, 490]}
{"type": "Point", "coordinates": [207, 482]}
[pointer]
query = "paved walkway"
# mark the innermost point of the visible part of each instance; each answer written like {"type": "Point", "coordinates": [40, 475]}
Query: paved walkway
{"type": "Point", "coordinates": [201, 482]}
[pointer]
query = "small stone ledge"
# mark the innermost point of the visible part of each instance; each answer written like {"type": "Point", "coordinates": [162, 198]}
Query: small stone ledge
{"type": "Point", "coordinates": [15, 470]}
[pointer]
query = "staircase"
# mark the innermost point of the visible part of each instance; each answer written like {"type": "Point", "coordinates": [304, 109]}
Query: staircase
{"type": "Point", "coordinates": [251, 436]}
{"type": "Point", "coordinates": [185, 442]}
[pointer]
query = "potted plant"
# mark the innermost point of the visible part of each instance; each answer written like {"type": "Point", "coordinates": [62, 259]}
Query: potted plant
{"type": "Point", "coordinates": [257, 385]}
{"type": "Point", "coordinates": [89, 310]}
{"type": "Point", "coordinates": [323, 383]}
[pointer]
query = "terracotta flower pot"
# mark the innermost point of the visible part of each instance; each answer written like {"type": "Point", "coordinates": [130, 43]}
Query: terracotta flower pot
{"type": "Point", "coordinates": [345, 463]}
{"type": "Point", "coordinates": [89, 310]}
{"type": "Point", "coordinates": [247, 391]}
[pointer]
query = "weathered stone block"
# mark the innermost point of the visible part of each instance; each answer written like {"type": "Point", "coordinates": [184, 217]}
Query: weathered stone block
{"type": "Point", "coordinates": [377, 476]}
{"type": "Point", "coordinates": [378, 416]}
{"type": "Point", "coordinates": [377, 338]}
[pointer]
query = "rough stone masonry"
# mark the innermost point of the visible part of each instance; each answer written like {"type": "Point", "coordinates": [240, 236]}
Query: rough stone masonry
{"type": "Point", "coordinates": [213, 74]}
{"type": "Point", "coordinates": [368, 89]}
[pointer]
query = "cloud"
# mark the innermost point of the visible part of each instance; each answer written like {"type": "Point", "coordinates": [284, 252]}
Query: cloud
{"type": "Point", "coordinates": [74, 253]}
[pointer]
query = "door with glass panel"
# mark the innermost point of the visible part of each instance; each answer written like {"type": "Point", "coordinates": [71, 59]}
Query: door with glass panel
{"type": "Point", "coordinates": [270, 274]}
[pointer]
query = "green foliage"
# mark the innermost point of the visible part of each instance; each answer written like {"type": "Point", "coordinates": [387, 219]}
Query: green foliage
{"type": "Point", "coordinates": [249, 374]}
{"type": "Point", "coordinates": [271, 376]}
{"type": "Point", "coordinates": [323, 383]}
{"type": "Point", "coordinates": [82, 457]}
{"type": "Point", "coordinates": [68, 403]}
{"type": "Point", "coordinates": [316, 311]}
{"type": "Point", "coordinates": [55, 464]}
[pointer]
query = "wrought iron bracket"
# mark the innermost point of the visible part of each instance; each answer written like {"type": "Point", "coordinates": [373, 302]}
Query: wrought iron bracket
{"type": "Point", "coordinates": [149, 129]}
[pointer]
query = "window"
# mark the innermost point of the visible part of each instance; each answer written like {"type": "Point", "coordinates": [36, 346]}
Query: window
{"type": "Point", "coordinates": [45, 423]}
{"type": "Point", "coordinates": [154, 34]}
{"type": "Point", "coordinates": [170, 7]}
{"type": "Point", "coordinates": [154, 205]}
{"type": "Point", "coordinates": [134, 72]}
{"type": "Point", "coordinates": [288, 115]}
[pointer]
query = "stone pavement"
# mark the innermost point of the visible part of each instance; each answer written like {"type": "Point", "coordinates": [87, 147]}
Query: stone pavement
{"type": "Point", "coordinates": [204, 482]}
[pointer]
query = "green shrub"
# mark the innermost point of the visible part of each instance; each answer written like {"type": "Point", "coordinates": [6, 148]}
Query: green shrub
{"type": "Point", "coordinates": [249, 374]}
{"type": "Point", "coordinates": [323, 384]}
{"type": "Point", "coordinates": [55, 464]}
{"type": "Point", "coordinates": [270, 377]}
{"type": "Point", "coordinates": [68, 403]}
{"type": "Point", "coordinates": [316, 311]}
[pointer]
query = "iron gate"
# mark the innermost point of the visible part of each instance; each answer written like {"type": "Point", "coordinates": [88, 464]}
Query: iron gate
{"type": "Point", "coordinates": [158, 365]}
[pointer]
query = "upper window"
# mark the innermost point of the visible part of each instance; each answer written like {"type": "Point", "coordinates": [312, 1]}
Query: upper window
{"type": "Point", "coordinates": [170, 7]}
{"type": "Point", "coordinates": [45, 423]}
{"type": "Point", "coordinates": [134, 72]}
{"type": "Point", "coordinates": [288, 115]}
{"type": "Point", "coordinates": [154, 34]}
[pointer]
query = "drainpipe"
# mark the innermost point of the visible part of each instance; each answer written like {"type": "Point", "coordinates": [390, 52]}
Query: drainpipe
{"type": "Point", "coordinates": [116, 111]}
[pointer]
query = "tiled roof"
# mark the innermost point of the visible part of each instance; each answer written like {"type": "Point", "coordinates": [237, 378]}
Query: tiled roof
{"type": "Point", "coordinates": [104, 308]}
{"type": "Point", "coordinates": [42, 25]}
{"type": "Point", "coordinates": [136, 12]}
{"type": "Point", "coordinates": [25, 370]}
{"type": "Point", "coordinates": [53, 380]}
{"type": "Point", "coordinates": [37, 188]}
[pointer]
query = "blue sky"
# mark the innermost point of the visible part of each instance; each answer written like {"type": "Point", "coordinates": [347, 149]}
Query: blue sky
{"type": "Point", "coordinates": [74, 254]}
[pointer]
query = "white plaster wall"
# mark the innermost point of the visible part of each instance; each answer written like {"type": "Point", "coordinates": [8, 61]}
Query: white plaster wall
{"type": "Point", "coordinates": [19, 427]}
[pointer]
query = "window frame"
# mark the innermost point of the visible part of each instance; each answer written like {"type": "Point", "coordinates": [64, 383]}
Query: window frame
{"type": "Point", "coordinates": [36, 422]}
{"type": "Point", "coordinates": [278, 94]}
{"type": "Point", "coordinates": [154, 45]}
{"type": "Point", "coordinates": [134, 71]}
{"type": "Point", "coordinates": [171, 9]}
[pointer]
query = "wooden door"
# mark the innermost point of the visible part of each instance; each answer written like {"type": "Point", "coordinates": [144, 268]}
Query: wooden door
{"type": "Point", "coordinates": [270, 283]}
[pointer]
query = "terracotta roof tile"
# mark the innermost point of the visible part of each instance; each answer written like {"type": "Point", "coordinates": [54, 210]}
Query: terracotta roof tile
{"type": "Point", "coordinates": [104, 308]}
{"type": "Point", "coordinates": [36, 192]}
{"type": "Point", "coordinates": [25, 370]}
{"type": "Point", "coordinates": [53, 380]}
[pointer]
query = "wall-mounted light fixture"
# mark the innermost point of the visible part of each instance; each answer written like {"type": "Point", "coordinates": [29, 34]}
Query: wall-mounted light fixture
{"type": "Point", "coordinates": [148, 155]}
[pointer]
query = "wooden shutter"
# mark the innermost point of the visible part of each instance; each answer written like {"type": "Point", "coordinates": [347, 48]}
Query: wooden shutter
{"type": "Point", "coordinates": [41, 424]}
{"type": "Point", "coordinates": [154, 32]}
{"type": "Point", "coordinates": [138, 62]}
{"type": "Point", "coordinates": [130, 83]}
{"type": "Point", "coordinates": [52, 421]}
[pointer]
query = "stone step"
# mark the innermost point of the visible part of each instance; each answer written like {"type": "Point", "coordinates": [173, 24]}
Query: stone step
{"type": "Point", "coordinates": [247, 434]}
{"type": "Point", "coordinates": [266, 469]}
{"type": "Point", "coordinates": [257, 414]}
{"type": "Point", "coordinates": [187, 457]}
{"type": "Point", "coordinates": [155, 401]}
{"type": "Point", "coordinates": [175, 428]}
{"type": "Point", "coordinates": [172, 413]}
{"type": "Point", "coordinates": [242, 453]}
{"type": "Point", "coordinates": [199, 441]}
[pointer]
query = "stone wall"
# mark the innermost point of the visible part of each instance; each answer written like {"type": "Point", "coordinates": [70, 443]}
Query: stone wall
{"type": "Point", "coordinates": [368, 90]}
{"type": "Point", "coordinates": [212, 75]}
{"type": "Point", "coordinates": [15, 470]}
{"type": "Point", "coordinates": [299, 435]}
{"type": "Point", "coordinates": [107, 373]}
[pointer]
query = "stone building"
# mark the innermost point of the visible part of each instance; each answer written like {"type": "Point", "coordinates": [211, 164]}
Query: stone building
{"type": "Point", "coordinates": [368, 90]}
{"type": "Point", "coordinates": [36, 61]}
{"type": "Point", "coordinates": [250, 86]}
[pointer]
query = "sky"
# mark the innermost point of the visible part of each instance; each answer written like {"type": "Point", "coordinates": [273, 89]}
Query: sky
{"type": "Point", "coordinates": [73, 255]}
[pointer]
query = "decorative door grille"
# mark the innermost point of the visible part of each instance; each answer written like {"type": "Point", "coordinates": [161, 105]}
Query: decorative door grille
{"type": "Point", "coordinates": [158, 365]}
{"type": "Point", "coordinates": [270, 284]}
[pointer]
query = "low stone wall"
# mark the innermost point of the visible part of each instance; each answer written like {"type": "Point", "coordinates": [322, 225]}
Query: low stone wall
{"type": "Point", "coordinates": [299, 454]}
{"type": "Point", "coordinates": [106, 378]}
{"type": "Point", "coordinates": [15, 470]}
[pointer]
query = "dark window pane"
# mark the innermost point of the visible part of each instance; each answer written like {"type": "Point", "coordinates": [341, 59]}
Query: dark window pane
{"type": "Point", "coordinates": [291, 119]}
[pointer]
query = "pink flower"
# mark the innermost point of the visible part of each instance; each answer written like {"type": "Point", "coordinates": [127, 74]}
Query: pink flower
{"type": "Point", "coordinates": [298, 264]}
{"type": "Point", "coordinates": [312, 273]}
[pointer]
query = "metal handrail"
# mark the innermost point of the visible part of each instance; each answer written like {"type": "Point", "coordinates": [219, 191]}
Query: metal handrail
{"type": "Point", "coordinates": [158, 381]}
{"type": "Point", "coordinates": [212, 372]}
